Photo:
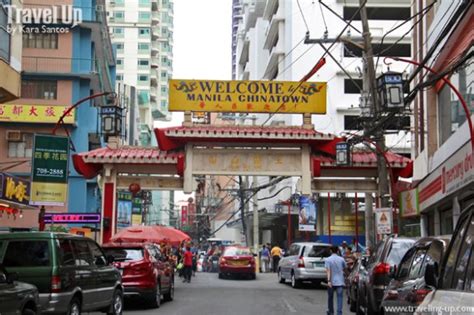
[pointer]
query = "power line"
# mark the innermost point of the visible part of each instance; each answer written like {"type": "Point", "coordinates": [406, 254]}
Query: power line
{"type": "Point", "coordinates": [302, 15]}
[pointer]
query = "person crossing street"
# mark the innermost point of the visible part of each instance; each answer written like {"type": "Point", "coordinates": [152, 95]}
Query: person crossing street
{"type": "Point", "coordinates": [335, 266]}
{"type": "Point", "coordinates": [188, 264]}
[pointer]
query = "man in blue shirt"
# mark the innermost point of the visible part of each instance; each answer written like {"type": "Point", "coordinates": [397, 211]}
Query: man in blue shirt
{"type": "Point", "coordinates": [335, 266]}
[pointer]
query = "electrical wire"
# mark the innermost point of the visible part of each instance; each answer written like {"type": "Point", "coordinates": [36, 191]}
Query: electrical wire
{"type": "Point", "coordinates": [302, 15]}
{"type": "Point", "coordinates": [283, 59]}
{"type": "Point", "coordinates": [324, 20]}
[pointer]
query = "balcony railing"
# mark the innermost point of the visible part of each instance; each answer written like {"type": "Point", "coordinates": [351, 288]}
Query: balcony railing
{"type": "Point", "coordinates": [57, 65]}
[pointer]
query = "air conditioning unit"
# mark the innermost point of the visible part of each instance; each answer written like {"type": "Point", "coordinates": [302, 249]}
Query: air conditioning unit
{"type": "Point", "coordinates": [13, 135]}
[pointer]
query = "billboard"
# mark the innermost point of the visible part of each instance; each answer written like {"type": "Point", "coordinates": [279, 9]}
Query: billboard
{"type": "Point", "coordinates": [307, 214]}
{"type": "Point", "coordinates": [14, 189]}
{"type": "Point", "coordinates": [42, 114]}
{"type": "Point", "coordinates": [49, 170]}
{"type": "Point", "coordinates": [124, 210]}
{"type": "Point", "coordinates": [247, 96]}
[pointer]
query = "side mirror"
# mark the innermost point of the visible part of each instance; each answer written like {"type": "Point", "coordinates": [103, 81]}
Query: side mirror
{"type": "Point", "coordinates": [110, 259]}
{"type": "Point", "coordinates": [12, 277]}
{"type": "Point", "coordinates": [431, 275]}
{"type": "Point", "coordinates": [393, 271]}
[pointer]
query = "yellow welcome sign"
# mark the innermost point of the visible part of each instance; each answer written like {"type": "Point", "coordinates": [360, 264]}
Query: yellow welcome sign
{"type": "Point", "coordinates": [247, 96]}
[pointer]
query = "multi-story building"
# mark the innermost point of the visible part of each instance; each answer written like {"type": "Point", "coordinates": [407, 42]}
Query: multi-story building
{"type": "Point", "coordinates": [271, 47]}
{"type": "Point", "coordinates": [142, 33]}
{"type": "Point", "coordinates": [59, 68]}
{"type": "Point", "coordinates": [443, 168]}
{"type": "Point", "coordinates": [236, 19]}
{"type": "Point", "coordinates": [10, 59]}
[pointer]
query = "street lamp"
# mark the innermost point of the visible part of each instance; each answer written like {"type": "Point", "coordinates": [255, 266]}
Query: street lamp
{"type": "Point", "coordinates": [342, 154]}
{"type": "Point", "coordinates": [390, 90]}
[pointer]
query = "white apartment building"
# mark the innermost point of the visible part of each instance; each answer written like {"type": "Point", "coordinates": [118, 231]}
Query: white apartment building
{"type": "Point", "coordinates": [271, 47]}
{"type": "Point", "coordinates": [142, 32]}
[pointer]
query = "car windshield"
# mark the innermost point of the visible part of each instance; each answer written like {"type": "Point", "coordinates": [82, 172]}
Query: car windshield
{"type": "Point", "coordinates": [397, 251]}
{"type": "Point", "coordinates": [27, 254]}
{"type": "Point", "coordinates": [122, 254]}
{"type": "Point", "coordinates": [237, 251]}
{"type": "Point", "coordinates": [319, 251]}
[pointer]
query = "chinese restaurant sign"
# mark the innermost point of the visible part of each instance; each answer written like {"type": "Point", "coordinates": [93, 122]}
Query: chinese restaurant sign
{"type": "Point", "coordinates": [14, 189]}
{"type": "Point", "coordinates": [72, 218]}
{"type": "Point", "coordinates": [45, 114]}
{"type": "Point", "coordinates": [248, 96]}
{"type": "Point", "coordinates": [49, 170]}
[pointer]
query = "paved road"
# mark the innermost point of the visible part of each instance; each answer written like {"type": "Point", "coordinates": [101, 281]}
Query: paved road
{"type": "Point", "coordinates": [208, 295]}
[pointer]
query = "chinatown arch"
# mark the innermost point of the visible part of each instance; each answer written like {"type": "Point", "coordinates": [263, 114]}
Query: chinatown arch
{"type": "Point", "coordinates": [235, 150]}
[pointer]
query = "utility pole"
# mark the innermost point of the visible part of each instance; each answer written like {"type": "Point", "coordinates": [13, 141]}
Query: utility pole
{"type": "Point", "coordinates": [255, 216]}
{"type": "Point", "coordinates": [370, 87]}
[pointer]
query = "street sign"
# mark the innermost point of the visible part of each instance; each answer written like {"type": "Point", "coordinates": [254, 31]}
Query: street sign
{"type": "Point", "coordinates": [49, 170]}
{"type": "Point", "coordinates": [383, 220]}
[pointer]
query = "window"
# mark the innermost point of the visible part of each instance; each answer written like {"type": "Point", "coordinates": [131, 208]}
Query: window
{"type": "Point", "coordinates": [83, 254]}
{"type": "Point", "coordinates": [144, 16]}
{"type": "Point", "coordinates": [119, 15]}
{"type": "Point", "coordinates": [405, 264]}
{"type": "Point", "coordinates": [350, 86]}
{"type": "Point", "coordinates": [319, 251]}
{"type": "Point", "coordinates": [397, 251]}
{"type": "Point", "coordinates": [119, 63]}
{"type": "Point", "coordinates": [352, 122]}
{"type": "Point", "coordinates": [119, 3]}
{"type": "Point", "coordinates": [433, 256]}
{"type": "Point", "coordinates": [446, 220]}
{"type": "Point", "coordinates": [118, 31]}
{"type": "Point", "coordinates": [142, 77]}
{"type": "Point", "coordinates": [143, 62]}
{"type": "Point", "coordinates": [40, 40]}
{"type": "Point", "coordinates": [294, 250]}
{"type": "Point", "coordinates": [164, 89]}
{"type": "Point", "coordinates": [144, 32]}
{"type": "Point", "coordinates": [143, 97]}
{"type": "Point", "coordinates": [143, 46]}
{"type": "Point", "coordinates": [21, 149]}
{"type": "Point", "coordinates": [164, 74]}
{"type": "Point", "coordinates": [66, 255]}
{"type": "Point", "coordinates": [27, 254]}
{"type": "Point", "coordinates": [45, 89]}
{"type": "Point", "coordinates": [450, 267]}
{"type": "Point", "coordinates": [125, 254]}
{"type": "Point", "coordinates": [144, 3]}
{"type": "Point", "coordinates": [379, 13]}
{"type": "Point", "coordinates": [119, 47]}
{"type": "Point", "coordinates": [4, 36]}
{"type": "Point", "coordinates": [119, 77]}
{"type": "Point", "coordinates": [97, 254]}
{"type": "Point", "coordinates": [384, 50]}
{"type": "Point", "coordinates": [417, 264]}
{"type": "Point", "coordinates": [464, 256]}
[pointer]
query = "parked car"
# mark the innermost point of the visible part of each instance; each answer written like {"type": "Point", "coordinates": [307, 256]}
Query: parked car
{"type": "Point", "coordinates": [145, 271]}
{"type": "Point", "coordinates": [17, 297]}
{"type": "Point", "coordinates": [304, 262]}
{"type": "Point", "coordinates": [354, 279]}
{"type": "Point", "coordinates": [71, 272]}
{"type": "Point", "coordinates": [237, 260]}
{"type": "Point", "coordinates": [388, 253]}
{"type": "Point", "coordinates": [453, 286]}
{"type": "Point", "coordinates": [408, 288]}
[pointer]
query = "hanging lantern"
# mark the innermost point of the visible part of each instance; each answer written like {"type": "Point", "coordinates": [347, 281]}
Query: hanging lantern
{"type": "Point", "coordinates": [134, 188]}
{"type": "Point", "coordinates": [342, 154]}
{"type": "Point", "coordinates": [390, 89]}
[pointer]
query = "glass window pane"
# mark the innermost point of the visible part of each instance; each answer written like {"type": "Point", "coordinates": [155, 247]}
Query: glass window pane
{"type": "Point", "coordinates": [82, 253]}
{"type": "Point", "coordinates": [452, 256]}
{"type": "Point", "coordinates": [66, 255]}
{"type": "Point", "coordinates": [462, 264]}
{"type": "Point", "coordinates": [27, 254]}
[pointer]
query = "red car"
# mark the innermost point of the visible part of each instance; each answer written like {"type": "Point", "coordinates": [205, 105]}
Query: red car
{"type": "Point", "coordinates": [237, 260]}
{"type": "Point", "coordinates": [145, 271]}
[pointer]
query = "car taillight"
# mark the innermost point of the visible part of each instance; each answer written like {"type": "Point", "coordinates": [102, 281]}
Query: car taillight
{"type": "Point", "coordinates": [382, 269]}
{"type": "Point", "coordinates": [55, 284]}
{"type": "Point", "coordinates": [301, 262]}
{"type": "Point", "coordinates": [223, 261]}
{"type": "Point", "coordinates": [420, 295]}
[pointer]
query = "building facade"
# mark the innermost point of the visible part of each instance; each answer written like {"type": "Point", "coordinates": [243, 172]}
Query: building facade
{"type": "Point", "coordinates": [443, 169]}
{"type": "Point", "coordinates": [59, 68]}
{"type": "Point", "coordinates": [271, 47]}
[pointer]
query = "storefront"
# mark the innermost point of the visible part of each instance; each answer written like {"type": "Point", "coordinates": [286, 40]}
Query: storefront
{"type": "Point", "coordinates": [447, 190]}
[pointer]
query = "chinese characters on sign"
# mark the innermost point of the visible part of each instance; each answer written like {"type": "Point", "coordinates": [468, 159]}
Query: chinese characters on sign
{"type": "Point", "coordinates": [72, 218]}
{"type": "Point", "coordinates": [247, 96]}
{"type": "Point", "coordinates": [14, 189]}
{"type": "Point", "coordinates": [34, 113]}
{"type": "Point", "coordinates": [184, 216]}
{"type": "Point", "coordinates": [49, 170]}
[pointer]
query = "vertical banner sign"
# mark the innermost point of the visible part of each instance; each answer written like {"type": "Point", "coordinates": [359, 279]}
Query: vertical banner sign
{"type": "Point", "coordinates": [383, 220]}
{"type": "Point", "coordinates": [136, 211]}
{"type": "Point", "coordinates": [409, 205]}
{"type": "Point", "coordinates": [49, 170]}
{"type": "Point", "coordinates": [307, 215]}
{"type": "Point", "coordinates": [124, 210]}
{"type": "Point", "coordinates": [184, 215]}
{"type": "Point", "coordinates": [191, 213]}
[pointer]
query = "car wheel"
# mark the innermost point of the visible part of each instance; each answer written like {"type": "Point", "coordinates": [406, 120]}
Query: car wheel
{"type": "Point", "coordinates": [221, 276]}
{"type": "Point", "coordinates": [117, 303]}
{"type": "Point", "coordinates": [295, 283]}
{"type": "Point", "coordinates": [154, 299]}
{"type": "Point", "coordinates": [28, 311]}
{"type": "Point", "coordinates": [280, 277]}
{"type": "Point", "coordinates": [170, 295]}
{"type": "Point", "coordinates": [74, 307]}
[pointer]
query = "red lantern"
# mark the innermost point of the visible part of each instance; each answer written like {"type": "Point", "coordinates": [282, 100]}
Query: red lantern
{"type": "Point", "coordinates": [134, 188]}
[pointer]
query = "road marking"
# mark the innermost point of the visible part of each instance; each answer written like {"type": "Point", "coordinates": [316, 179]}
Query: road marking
{"type": "Point", "coordinates": [288, 305]}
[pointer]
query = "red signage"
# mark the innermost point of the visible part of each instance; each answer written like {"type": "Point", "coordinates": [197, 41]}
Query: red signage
{"type": "Point", "coordinates": [184, 215]}
{"type": "Point", "coordinates": [191, 212]}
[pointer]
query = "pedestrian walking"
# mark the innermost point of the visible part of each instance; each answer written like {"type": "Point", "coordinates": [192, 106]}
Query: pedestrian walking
{"type": "Point", "coordinates": [265, 259]}
{"type": "Point", "coordinates": [276, 255]}
{"type": "Point", "coordinates": [335, 266]}
{"type": "Point", "coordinates": [188, 264]}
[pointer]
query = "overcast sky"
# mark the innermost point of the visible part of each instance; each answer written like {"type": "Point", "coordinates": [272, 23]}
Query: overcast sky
{"type": "Point", "coordinates": [202, 45]}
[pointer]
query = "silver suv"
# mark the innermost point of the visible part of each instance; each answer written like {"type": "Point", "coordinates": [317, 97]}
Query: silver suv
{"type": "Point", "coordinates": [304, 262]}
{"type": "Point", "coordinates": [454, 286]}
